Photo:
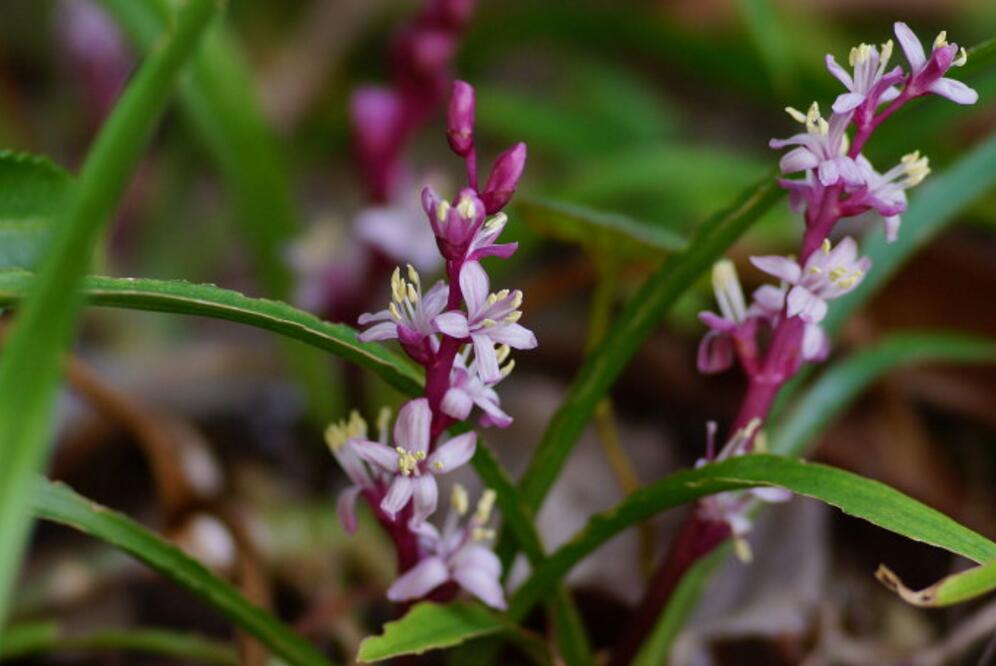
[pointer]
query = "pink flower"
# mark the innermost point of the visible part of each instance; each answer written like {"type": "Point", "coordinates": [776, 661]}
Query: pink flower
{"type": "Point", "coordinates": [338, 437]}
{"type": "Point", "coordinates": [822, 147]}
{"type": "Point", "coordinates": [504, 178]}
{"type": "Point", "coordinates": [468, 389]}
{"type": "Point", "coordinates": [927, 73]}
{"type": "Point", "coordinates": [718, 347]}
{"type": "Point", "coordinates": [870, 80]}
{"type": "Point", "coordinates": [456, 555]}
{"type": "Point", "coordinates": [411, 316]}
{"type": "Point", "coordinates": [460, 118]}
{"type": "Point", "coordinates": [733, 507]}
{"type": "Point", "coordinates": [491, 320]}
{"type": "Point", "coordinates": [410, 466]}
{"type": "Point", "coordinates": [829, 272]}
{"type": "Point", "coordinates": [886, 192]}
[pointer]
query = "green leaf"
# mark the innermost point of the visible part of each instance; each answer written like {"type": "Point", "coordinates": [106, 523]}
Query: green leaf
{"type": "Point", "coordinates": [431, 626]}
{"type": "Point", "coordinates": [855, 495]}
{"type": "Point", "coordinates": [59, 503]}
{"type": "Point", "coordinates": [602, 231]}
{"type": "Point", "coordinates": [631, 328]}
{"type": "Point", "coordinates": [178, 297]}
{"type": "Point", "coordinates": [32, 190]}
{"type": "Point", "coordinates": [30, 364]}
{"type": "Point", "coordinates": [50, 637]}
{"type": "Point", "coordinates": [950, 590]}
{"type": "Point", "coordinates": [845, 380]}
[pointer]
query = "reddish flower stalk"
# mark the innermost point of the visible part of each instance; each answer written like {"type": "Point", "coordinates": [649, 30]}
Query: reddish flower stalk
{"type": "Point", "coordinates": [837, 182]}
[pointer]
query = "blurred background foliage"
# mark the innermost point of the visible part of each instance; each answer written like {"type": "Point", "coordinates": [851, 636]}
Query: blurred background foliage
{"type": "Point", "coordinates": [642, 116]}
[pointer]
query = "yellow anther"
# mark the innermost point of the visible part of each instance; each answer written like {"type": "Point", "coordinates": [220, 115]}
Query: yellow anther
{"type": "Point", "coordinates": [482, 534]}
{"type": "Point", "coordinates": [815, 270]}
{"type": "Point", "coordinates": [459, 500]}
{"type": "Point", "coordinates": [439, 465]}
{"type": "Point", "coordinates": [466, 208]}
{"type": "Point", "coordinates": [796, 114]}
{"type": "Point", "coordinates": [492, 299]}
{"type": "Point", "coordinates": [513, 317]}
{"type": "Point", "coordinates": [397, 286]}
{"type": "Point", "coordinates": [495, 221]}
{"type": "Point", "coordinates": [826, 246]}
{"type": "Point", "coordinates": [743, 550]}
{"type": "Point", "coordinates": [407, 461]}
{"type": "Point", "coordinates": [413, 274]}
{"type": "Point", "coordinates": [488, 323]}
{"type": "Point", "coordinates": [517, 299]}
{"type": "Point", "coordinates": [484, 506]}
{"type": "Point", "coordinates": [503, 294]}
{"type": "Point", "coordinates": [383, 419]}
{"type": "Point", "coordinates": [849, 281]}
{"type": "Point", "coordinates": [502, 353]}
{"type": "Point", "coordinates": [859, 54]}
{"type": "Point", "coordinates": [507, 369]}
{"type": "Point", "coordinates": [917, 168]}
{"type": "Point", "coordinates": [442, 210]}
{"type": "Point", "coordinates": [393, 309]}
{"type": "Point", "coordinates": [837, 273]}
{"type": "Point", "coordinates": [886, 54]}
{"type": "Point", "coordinates": [761, 442]}
{"type": "Point", "coordinates": [339, 432]}
{"type": "Point", "coordinates": [961, 59]}
{"type": "Point", "coordinates": [941, 40]}
{"type": "Point", "coordinates": [412, 294]}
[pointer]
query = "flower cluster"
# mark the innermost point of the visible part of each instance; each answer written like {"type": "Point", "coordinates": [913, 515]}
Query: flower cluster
{"type": "Point", "coordinates": [462, 333]}
{"type": "Point", "coordinates": [779, 329]}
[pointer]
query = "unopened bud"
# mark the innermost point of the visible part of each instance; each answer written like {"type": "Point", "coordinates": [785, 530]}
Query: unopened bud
{"type": "Point", "coordinates": [504, 178]}
{"type": "Point", "coordinates": [460, 118]}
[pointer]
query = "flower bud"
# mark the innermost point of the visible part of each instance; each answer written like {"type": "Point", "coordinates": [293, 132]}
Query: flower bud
{"type": "Point", "coordinates": [504, 178]}
{"type": "Point", "coordinates": [460, 118]}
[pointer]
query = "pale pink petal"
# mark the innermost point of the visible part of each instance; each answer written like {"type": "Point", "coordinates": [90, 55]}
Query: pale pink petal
{"type": "Point", "coordinates": [839, 72]}
{"type": "Point", "coordinates": [891, 228]}
{"type": "Point", "coordinates": [769, 298]}
{"type": "Point", "coordinates": [477, 557]}
{"type": "Point", "coordinates": [397, 495]}
{"type": "Point", "coordinates": [782, 268]}
{"type": "Point", "coordinates": [798, 159]}
{"type": "Point", "coordinates": [715, 353]}
{"type": "Point", "coordinates": [453, 324]}
{"type": "Point", "coordinates": [849, 171]}
{"type": "Point", "coordinates": [376, 453]}
{"type": "Point", "coordinates": [492, 408]}
{"type": "Point", "coordinates": [911, 46]}
{"type": "Point", "coordinates": [369, 317]}
{"type": "Point", "coordinates": [457, 403]}
{"type": "Point", "coordinates": [715, 322]}
{"type": "Point", "coordinates": [474, 286]}
{"type": "Point", "coordinates": [771, 495]}
{"type": "Point", "coordinates": [453, 454]}
{"type": "Point", "coordinates": [346, 508]}
{"type": "Point", "coordinates": [828, 172]}
{"type": "Point", "coordinates": [421, 579]}
{"type": "Point", "coordinates": [803, 303]}
{"type": "Point", "coordinates": [411, 430]}
{"type": "Point", "coordinates": [815, 344]}
{"type": "Point", "coordinates": [434, 300]}
{"type": "Point", "coordinates": [847, 102]}
{"type": "Point", "coordinates": [387, 330]}
{"type": "Point", "coordinates": [515, 336]}
{"type": "Point", "coordinates": [954, 90]}
{"type": "Point", "coordinates": [425, 497]}
{"type": "Point", "coordinates": [485, 357]}
{"type": "Point", "coordinates": [481, 585]}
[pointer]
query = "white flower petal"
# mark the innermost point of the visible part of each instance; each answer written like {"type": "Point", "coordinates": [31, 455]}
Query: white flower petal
{"type": "Point", "coordinates": [424, 500]}
{"type": "Point", "coordinates": [911, 46]}
{"type": "Point", "coordinates": [454, 453]}
{"type": "Point", "coordinates": [452, 323]}
{"type": "Point", "coordinates": [782, 268]}
{"type": "Point", "coordinates": [954, 90]}
{"type": "Point", "coordinates": [376, 453]}
{"type": "Point", "coordinates": [397, 495]}
{"type": "Point", "coordinates": [411, 430]}
{"type": "Point", "coordinates": [457, 403]}
{"type": "Point", "coordinates": [474, 286]}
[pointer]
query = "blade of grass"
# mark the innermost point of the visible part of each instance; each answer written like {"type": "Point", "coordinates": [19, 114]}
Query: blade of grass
{"type": "Point", "coordinates": [179, 297]}
{"type": "Point", "coordinates": [50, 637]}
{"type": "Point", "coordinates": [59, 503]}
{"type": "Point", "coordinates": [632, 327]}
{"type": "Point", "coordinates": [954, 589]}
{"type": "Point", "coordinates": [29, 366]}
{"type": "Point", "coordinates": [855, 495]}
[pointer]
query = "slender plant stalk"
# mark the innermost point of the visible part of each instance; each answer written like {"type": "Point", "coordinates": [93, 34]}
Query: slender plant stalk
{"type": "Point", "coordinates": [31, 362]}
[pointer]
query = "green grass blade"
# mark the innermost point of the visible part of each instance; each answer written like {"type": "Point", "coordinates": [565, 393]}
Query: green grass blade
{"type": "Point", "coordinates": [51, 638]}
{"type": "Point", "coordinates": [632, 327]}
{"type": "Point", "coordinates": [59, 503]}
{"type": "Point", "coordinates": [178, 297]}
{"type": "Point", "coordinates": [845, 380]}
{"type": "Point", "coordinates": [29, 367]}
{"type": "Point", "coordinates": [855, 495]}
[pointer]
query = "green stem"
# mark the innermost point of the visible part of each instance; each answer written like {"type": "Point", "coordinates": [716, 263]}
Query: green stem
{"type": "Point", "coordinates": [29, 368]}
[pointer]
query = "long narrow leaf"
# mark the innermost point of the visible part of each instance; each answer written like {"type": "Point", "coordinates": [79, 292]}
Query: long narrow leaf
{"type": "Point", "coordinates": [60, 504]}
{"type": "Point", "coordinates": [855, 495]}
{"type": "Point", "coordinates": [954, 589]}
{"type": "Point", "coordinates": [179, 297]}
{"type": "Point", "coordinates": [29, 367]}
{"type": "Point", "coordinates": [632, 327]}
